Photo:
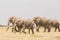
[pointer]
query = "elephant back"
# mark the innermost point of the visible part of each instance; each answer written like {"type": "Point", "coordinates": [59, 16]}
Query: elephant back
{"type": "Point", "coordinates": [27, 21]}
{"type": "Point", "coordinates": [19, 21]}
{"type": "Point", "coordinates": [44, 20]}
{"type": "Point", "coordinates": [54, 22]}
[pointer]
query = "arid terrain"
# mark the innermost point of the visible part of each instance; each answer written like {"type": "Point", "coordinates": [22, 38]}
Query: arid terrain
{"type": "Point", "coordinates": [9, 35]}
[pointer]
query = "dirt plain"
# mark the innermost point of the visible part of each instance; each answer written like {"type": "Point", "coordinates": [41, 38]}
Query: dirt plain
{"type": "Point", "coordinates": [9, 35]}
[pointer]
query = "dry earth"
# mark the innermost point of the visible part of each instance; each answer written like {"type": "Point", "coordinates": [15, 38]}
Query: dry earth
{"type": "Point", "coordinates": [37, 36]}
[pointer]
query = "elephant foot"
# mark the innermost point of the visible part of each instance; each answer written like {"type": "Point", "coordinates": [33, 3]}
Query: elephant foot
{"type": "Point", "coordinates": [20, 31]}
{"type": "Point", "coordinates": [33, 33]}
{"type": "Point", "coordinates": [55, 30]}
{"type": "Point", "coordinates": [59, 30]}
{"type": "Point", "coordinates": [48, 30]}
{"type": "Point", "coordinates": [37, 30]}
{"type": "Point", "coordinates": [44, 30]}
{"type": "Point", "coordinates": [12, 29]}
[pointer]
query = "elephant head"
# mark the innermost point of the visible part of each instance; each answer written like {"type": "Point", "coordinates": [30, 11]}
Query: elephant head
{"type": "Point", "coordinates": [11, 20]}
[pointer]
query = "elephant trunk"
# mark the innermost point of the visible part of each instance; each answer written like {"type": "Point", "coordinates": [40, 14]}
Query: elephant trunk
{"type": "Point", "coordinates": [16, 30]}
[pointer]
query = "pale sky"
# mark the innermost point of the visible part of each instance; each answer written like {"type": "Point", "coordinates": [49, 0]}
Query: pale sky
{"type": "Point", "coordinates": [29, 8]}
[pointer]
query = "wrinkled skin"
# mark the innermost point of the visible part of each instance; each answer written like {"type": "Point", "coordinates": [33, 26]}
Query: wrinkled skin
{"type": "Point", "coordinates": [28, 24]}
{"type": "Point", "coordinates": [37, 21]}
{"type": "Point", "coordinates": [19, 24]}
{"type": "Point", "coordinates": [11, 20]}
{"type": "Point", "coordinates": [55, 24]}
{"type": "Point", "coordinates": [48, 25]}
{"type": "Point", "coordinates": [24, 24]}
{"type": "Point", "coordinates": [41, 21]}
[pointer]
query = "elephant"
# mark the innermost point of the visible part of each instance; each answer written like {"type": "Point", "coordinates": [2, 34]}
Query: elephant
{"type": "Point", "coordinates": [29, 24]}
{"type": "Point", "coordinates": [25, 24]}
{"type": "Point", "coordinates": [11, 20]}
{"type": "Point", "coordinates": [55, 24]}
{"type": "Point", "coordinates": [41, 21]}
{"type": "Point", "coordinates": [52, 23]}
{"type": "Point", "coordinates": [48, 25]}
{"type": "Point", "coordinates": [37, 21]}
{"type": "Point", "coordinates": [18, 24]}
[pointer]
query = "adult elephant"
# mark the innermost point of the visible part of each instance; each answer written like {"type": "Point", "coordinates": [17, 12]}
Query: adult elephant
{"type": "Point", "coordinates": [48, 25]}
{"type": "Point", "coordinates": [18, 24]}
{"type": "Point", "coordinates": [24, 24]}
{"type": "Point", "coordinates": [37, 21]}
{"type": "Point", "coordinates": [11, 20]}
{"type": "Point", "coordinates": [28, 24]}
{"type": "Point", "coordinates": [41, 21]}
{"type": "Point", "coordinates": [55, 24]}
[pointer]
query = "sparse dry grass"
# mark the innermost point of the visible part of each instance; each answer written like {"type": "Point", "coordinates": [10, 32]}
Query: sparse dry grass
{"type": "Point", "coordinates": [37, 36]}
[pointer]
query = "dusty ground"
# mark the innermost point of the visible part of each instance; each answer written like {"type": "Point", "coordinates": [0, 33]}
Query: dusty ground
{"type": "Point", "coordinates": [37, 36]}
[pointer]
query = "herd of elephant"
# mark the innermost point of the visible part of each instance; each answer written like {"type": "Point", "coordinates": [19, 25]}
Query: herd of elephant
{"type": "Point", "coordinates": [20, 24]}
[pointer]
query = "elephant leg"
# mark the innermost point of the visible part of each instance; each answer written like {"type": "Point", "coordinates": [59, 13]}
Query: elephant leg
{"type": "Point", "coordinates": [7, 29]}
{"type": "Point", "coordinates": [23, 30]}
{"type": "Point", "coordinates": [16, 29]}
{"type": "Point", "coordinates": [32, 31]}
{"type": "Point", "coordinates": [58, 29]}
{"type": "Point", "coordinates": [13, 27]}
{"type": "Point", "coordinates": [13, 30]}
{"type": "Point", "coordinates": [19, 29]}
{"type": "Point", "coordinates": [8, 26]}
{"type": "Point", "coordinates": [55, 29]}
{"type": "Point", "coordinates": [37, 29]}
{"type": "Point", "coordinates": [29, 31]}
{"type": "Point", "coordinates": [49, 28]}
{"type": "Point", "coordinates": [44, 29]}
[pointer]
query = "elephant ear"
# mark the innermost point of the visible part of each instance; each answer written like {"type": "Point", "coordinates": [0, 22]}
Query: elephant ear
{"type": "Point", "coordinates": [38, 20]}
{"type": "Point", "coordinates": [21, 22]}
